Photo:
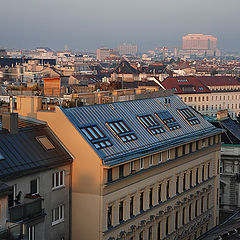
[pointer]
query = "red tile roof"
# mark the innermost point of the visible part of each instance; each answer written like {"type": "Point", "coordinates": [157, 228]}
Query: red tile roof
{"type": "Point", "coordinates": [185, 85]}
{"type": "Point", "coordinates": [219, 81]}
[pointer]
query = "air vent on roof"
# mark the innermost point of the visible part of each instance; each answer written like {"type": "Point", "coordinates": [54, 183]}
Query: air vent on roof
{"type": "Point", "coordinates": [121, 129]}
{"type": "Point", "coordinates": [96, 136]}
{"type": "Point", "coordinates": [45, 142]}
{"type": "Point", "coordinates": [168, 120]}
{"type": "Point", "coordinates": [189, 116]}
{"type": "Point", "coordinates": [151, 124]}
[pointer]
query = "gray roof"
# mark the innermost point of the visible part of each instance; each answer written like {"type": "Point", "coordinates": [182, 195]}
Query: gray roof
{"type": "Point", "coordinates": [23, 154]}
{"type": "Point", "coordinates": [146, 142]}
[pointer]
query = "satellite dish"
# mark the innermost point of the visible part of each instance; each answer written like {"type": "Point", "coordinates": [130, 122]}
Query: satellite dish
{"type": "Point", "coordinates": [6, 67]}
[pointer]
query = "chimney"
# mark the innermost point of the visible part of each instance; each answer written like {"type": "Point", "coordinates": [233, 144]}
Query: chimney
{"type": "Point", "coordinates": [10, 122]}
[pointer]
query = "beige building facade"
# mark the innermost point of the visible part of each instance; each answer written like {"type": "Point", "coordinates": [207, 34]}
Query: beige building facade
{"type": "Point", "coordinates": [147, 182]}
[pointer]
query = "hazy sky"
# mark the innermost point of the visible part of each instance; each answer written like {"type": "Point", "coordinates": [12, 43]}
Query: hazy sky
{"type": "Point", "coordinates": [88, 24]}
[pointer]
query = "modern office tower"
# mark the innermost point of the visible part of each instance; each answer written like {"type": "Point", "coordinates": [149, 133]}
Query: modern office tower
{"type": "Point", "coordinates": [142, 169]}
{"type": "Point", "coordinates": [128, 49]}
{"type": "Point", "coordinates": [199, 42]}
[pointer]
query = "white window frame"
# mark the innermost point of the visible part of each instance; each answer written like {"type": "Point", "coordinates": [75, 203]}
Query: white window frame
{"type": "Point", "coordinates": [160, 157]}
{"type": "Point", "coordinates": [31, 232]}
{"type": "Point", "coordinates": [168, 154]}
{"type": "Point", "coordinates": [60, 210]}
{"type": "Point", "coordinates": [141, 165]}
{"type": "Point", "coordinates": [151, 161]}
{"type": "Point", "coordinates": [38, 185]}
{"type": "Point", "coordinates": [55, 176]}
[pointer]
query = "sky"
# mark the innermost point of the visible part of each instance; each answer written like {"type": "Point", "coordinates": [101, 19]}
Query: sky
{"type": "Point", "coordinates": [89, 24]}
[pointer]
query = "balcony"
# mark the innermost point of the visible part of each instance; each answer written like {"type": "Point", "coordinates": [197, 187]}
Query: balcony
{"type": "Point", "coordinates": [25, 211]}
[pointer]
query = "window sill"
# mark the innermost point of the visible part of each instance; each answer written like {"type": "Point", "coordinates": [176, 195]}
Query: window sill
{"type": "Point", "coordinates": [57, 222]}
{"type": "Point", "coordinates": [59, 187]}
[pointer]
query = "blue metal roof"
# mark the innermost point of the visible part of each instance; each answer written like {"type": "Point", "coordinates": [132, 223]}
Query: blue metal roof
{"type": "Point", "coordinates": [145, 142]}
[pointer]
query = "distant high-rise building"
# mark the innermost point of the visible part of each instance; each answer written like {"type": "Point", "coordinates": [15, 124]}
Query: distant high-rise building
{"type": "Point", "coordinates": [199, 42]}
{"type": "Point", "coordinates": [104, 53]}
{"type": "Point", "coordinates": [128, 49]}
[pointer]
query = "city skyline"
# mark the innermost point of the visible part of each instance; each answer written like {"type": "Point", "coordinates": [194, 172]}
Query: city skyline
{"type": "Point", "coordinates": [90, 25]}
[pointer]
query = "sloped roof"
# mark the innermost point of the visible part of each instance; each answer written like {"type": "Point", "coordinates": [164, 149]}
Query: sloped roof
{"type": "Point", "coordinates": [219, 81]}
{"type": "Point", "coordinates": [124, 67]}
{"type": "Point", "coordinates": [128, 112]}
{"type": "Point", "coordinates": [23, 154]}
{"type": "Point", "coordinates": [185, 85]}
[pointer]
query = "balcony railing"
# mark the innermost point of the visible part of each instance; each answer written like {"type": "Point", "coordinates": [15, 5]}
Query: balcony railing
{"type": "Point", "coordinates": [26, 211]}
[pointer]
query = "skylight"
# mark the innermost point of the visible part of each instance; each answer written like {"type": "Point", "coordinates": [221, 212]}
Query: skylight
{"type": "Point", "coordinates": [189, 116]}
{"type": "Point", "coordinates": [96, 136]}
{"type": "Point", "coordinates": [44, 141]}
{"type": "Point", "coordinates": [151, 124]}
{"type": "Point", "coordinates": [121, 129]}
{"type": "Point", "coordinates": [168, 120]}
{"type": "Point", "coordinates": [1, 157]}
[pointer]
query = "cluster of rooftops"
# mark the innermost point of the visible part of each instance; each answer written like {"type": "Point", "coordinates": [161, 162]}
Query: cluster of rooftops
{"type": "Point", "coordinates": [120, 131]}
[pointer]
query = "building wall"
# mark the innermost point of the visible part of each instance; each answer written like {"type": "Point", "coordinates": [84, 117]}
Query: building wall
{"type": "Point", "coordinates": [52, 199]}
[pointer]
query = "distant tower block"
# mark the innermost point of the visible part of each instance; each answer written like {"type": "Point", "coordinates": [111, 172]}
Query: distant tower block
{"type": "Point", "coordinates": [199, 42]}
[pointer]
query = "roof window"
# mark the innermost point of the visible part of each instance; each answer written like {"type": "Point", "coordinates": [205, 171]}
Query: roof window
{"type": "Point", "coordinates": [1, 157]}
{"type": "Point", "coordinates": [168, 120]}
{"type": "Point", "coordinates": [189, 116]}
{"type": "Point", "coordinates": [45, 142]}
{"type": "Point", "coordinates": [182, 80]}
{"type": "Point", "coordinates": [151, 124]}
{"type": "Point", "coordinates": [96, 136]}
{"type": "Point", "coordinates": [121, 129]}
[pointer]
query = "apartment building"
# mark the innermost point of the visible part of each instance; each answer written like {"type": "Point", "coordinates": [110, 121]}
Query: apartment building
{"type": "Point", "coordinates": [208, 95]}
{"type": "Point", "coordinates": [143, 169]}
{"type": "Point", "coordinates": [35, 181]}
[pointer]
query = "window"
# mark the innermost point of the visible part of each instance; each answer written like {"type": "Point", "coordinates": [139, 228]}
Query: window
{"type": "Point", "coordinates": [58, 179]}
{"type": "Point", "coordinates": [191, 176]}
{"type": "Point", "coordinates": [159, 193]}
{"type": "Point", "coordinates": [183, 216]}
{"type": "Point", "coordinates": [203, 172]}
{"type": "Point", "coordinates": [190, 212]}
{"type": "Point", "coordinates": [168, 154]}
{"type": "Point", "coordinates": [150, 197]}
{"type": "Point", "coordinates": [141, 163]}
{"type": "Point", "coordinates": [184, 181]}
{"type": "Point", "coordinates": [189, 116]}
{"type": "Point", "coordinates": [96, 136]}
{"type": "Point", "coordinates": [121, 171]}
{"type": "Point", "coordinates": [167, 189]}
{"type": "Point", "coordinates": [177, 185]}
{"type": "Point", "coordinates": [45, 142]}
{"type": "Point", "coordinates": [109, 175]}
{"type": "Point", "coordinates": [183, 149]}
{"type": "Point", "coordinates": [120, 212]}
{"type": "Point", "coordinates": [141, 235]}
{"type": "Point", "coordinates": [167, 225]}
{"type": "Point", "coordinates": [132, 167]}
{"type": "Point", "coordinates": [141, 201]}
{"type": "Point", "coordinates": [150, 233]}
{"type": "Point", "coordinates": [202, 204]}
{"type": "Point", "coordinates": [132, 206]}
{"type": "Point", "coordinates": [196, 208]}
{"type": "Point", "coordinates": [197, 145]}
{"type": "Point", "coordinates": [207, 201]}
{"type": "Point", "coordinates": [218, 165]}
{"type": "Point", "coordinates": [190, 147]}
{"type": "Point", "coordinates": [109, 217]}
{"type": "Point", "coordinates": [121, 129]}
{"type": "Point", "coordinates": [151, 161]}
{"type": "Point", "coordinates": [160, 158]}
{"type": "Point", "coordinates": [151, 124]}
{"type": "Point", "coordinates": [196, 176]}
{"type": "Point", "coordinates": [58, 214]}
{"type": "Point", "coordinates": [176, 220]}
{"type": "Point", "coordinates": [208, 170]}
{"type": "Point", "coordinates": [34, 186]}
{"type": "Point", "coordinates": [159, 231]}
{"type": "Point", "coordinates": [31, 232]}
{"type": "Point", "coordinates": [168, 120]}
{"type": "Point", "coordinates": [176, 152]}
